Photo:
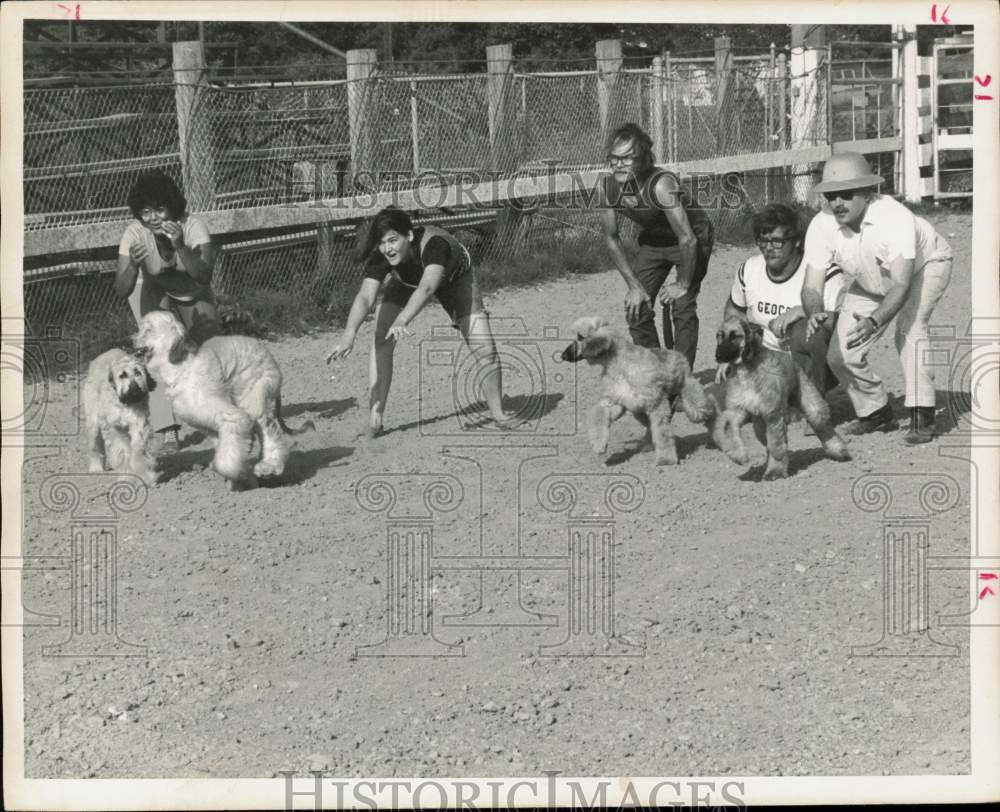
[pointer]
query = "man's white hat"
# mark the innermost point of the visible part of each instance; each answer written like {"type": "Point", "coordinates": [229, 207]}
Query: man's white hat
{"type": "Point", "coordinates": [847, 170]}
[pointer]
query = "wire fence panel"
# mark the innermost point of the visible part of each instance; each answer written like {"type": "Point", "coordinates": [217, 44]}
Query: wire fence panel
{"type": "Point", "coordinates": [84, 148]}
{"type": "Point", "coordinates": [268, 145]}
{"type": "Point", "coordinates": [561, 119]}
{"type": "Point", "coordinates": [247, 147]}
{"type": "Point", "coordinates": [452, 124]}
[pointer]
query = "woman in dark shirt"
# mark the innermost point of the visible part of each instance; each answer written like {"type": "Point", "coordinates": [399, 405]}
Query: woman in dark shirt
{"type": "Point", "coordinates": [422, 262]}
{"type": "Point", "coordinates": [672, 232]}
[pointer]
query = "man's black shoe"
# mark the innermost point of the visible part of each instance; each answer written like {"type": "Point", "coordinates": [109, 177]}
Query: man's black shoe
{"type": "Point", "coordinates": [880, 420]}
{"type": "Point", "coordinates": [921, 425]}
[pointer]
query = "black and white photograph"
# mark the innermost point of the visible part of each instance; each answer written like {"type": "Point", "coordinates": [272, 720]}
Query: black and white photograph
{"type": "Point", "coordinates": [479, 404]}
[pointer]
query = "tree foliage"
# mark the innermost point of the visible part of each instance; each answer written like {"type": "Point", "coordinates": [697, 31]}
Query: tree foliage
{"type": "Point", "coordinates": [436, 47]}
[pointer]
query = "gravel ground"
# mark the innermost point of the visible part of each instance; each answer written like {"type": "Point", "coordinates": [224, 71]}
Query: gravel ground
{"type": "Point", "coordinates": [741, 598]}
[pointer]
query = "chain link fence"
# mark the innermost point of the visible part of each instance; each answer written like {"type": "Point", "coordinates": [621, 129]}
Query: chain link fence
{"type": "Point", "coordinates": [255, 146]}
{"type": "Point", "coordinates": [84, 147]}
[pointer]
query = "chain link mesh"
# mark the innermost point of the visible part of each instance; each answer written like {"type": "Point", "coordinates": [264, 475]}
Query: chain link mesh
{"type": "Point", "coordinates": [248, 147]}
{"type": "Point", "coordinates": [84, 147]}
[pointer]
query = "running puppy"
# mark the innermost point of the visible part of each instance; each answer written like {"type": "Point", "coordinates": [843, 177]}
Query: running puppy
{"type": "Point", "coordinates": [116, 408]}
{"type": "Point", "coordinates": [761, 383]}
{"type": "Point", "coordinates": [229, 387]}
{"type": "Point", "coordinates": [640, 381]}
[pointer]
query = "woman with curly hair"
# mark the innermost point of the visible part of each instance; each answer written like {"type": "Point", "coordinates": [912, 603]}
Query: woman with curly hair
{"type": "Point", "coordinates": [165, 262]}
{"type": "Point", "coordinates": [422, 262]}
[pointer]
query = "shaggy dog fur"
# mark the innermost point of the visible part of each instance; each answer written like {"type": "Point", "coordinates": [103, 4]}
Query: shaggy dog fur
{"type": "Point", "coordinates": [116, 409]}
{"type": "Point", "coordinates": [229, 387]}
{"type": "Point", "coordinates": [640, 381]}
{"type": "Point", "coordinates": [761, 384]}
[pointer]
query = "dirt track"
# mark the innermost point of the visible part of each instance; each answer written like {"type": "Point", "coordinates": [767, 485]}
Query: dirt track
{"type": "Point", "coordinates": [742, 598]}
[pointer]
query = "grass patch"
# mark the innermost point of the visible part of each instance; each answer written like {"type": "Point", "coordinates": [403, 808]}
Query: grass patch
{"type": "Point", "coordinates": [556, 260]}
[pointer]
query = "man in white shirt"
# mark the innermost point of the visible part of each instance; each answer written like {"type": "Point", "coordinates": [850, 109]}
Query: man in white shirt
{"type": "Point", "coordinates": [898, 267]}
{"type": "Point", "coordinates": [767, 290]}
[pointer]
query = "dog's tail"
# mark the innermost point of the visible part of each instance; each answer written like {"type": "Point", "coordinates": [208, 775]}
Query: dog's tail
{"type": "Point", "coordinates": [702, 407]}
{"type": "Point", "coordinates": [305, 427]}
{"type": "Point", "coordinates": [698, 405]}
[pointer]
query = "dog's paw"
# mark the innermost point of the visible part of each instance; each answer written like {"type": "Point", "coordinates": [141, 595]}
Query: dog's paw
{"type": "Point", "coordinates": [666, 459]}
{"type": "Point", "coordinates": [837, 450]}
{"type": "Point", "coordinates": [247, 483]}
{"type": "Point", "coordinates": [268, 469]}
{"type": "Point", "coordinates": [775, 472]}
{"type": "Point", "coordinates": [96, 467]}
{"type": "Point", "coordinates": [739, 456]}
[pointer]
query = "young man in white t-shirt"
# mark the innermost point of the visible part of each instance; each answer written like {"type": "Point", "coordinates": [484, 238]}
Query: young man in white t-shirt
{"type": "Point", "coordinates": [898, 267]}
{"type": "Point", "coordinates": [767, 289]}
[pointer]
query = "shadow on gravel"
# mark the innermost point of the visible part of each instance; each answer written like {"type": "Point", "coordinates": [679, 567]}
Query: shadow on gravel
{"type": "Point", "coordinates": [320, 408]}
{"type": "Point", "coordinates": [173, 465]}
{"type": "Point", "coordinates": [798, 460]}
{"type": "Point", "coordinates": [529, 408]}
{"type": "Point", "coordinates": [686, 446]}
{"type": "Point", "coordinates": [302, 465]}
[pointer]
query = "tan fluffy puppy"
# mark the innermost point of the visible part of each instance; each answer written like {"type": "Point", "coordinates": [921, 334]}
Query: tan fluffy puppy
{"type": "Point", "coordinates": [761, 384]}
{"type": "Point", "coordinates": [116, 410]}
{"type": "Point", "coordinates": [641, 381]}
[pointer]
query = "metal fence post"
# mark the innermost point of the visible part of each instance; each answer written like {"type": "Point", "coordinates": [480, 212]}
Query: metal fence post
{"type": "Point", "coordinates": [194, 125]}
{"type": "Point", "coordinates": [911, 118]}
{"type": "Point", "coordinates": [671, 109]}
{"type": "Point", "coordinates": [723, 74]}
{"type": "Point", "coordinates": [415, 128]}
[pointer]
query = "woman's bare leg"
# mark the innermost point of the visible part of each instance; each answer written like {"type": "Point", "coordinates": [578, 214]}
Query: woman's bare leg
{"type": "Point", "coordinates": [380, 364]}
{"type": "Point", "coordinates": [475, 329]}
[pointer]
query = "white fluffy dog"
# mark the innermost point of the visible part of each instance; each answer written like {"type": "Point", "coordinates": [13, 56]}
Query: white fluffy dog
{"type": "Point", "coordinates": [116, 406]}
{"type": "Point", "coordinates": [229, 387]}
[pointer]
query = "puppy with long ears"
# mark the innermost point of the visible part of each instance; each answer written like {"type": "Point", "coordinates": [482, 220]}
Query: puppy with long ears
{"type": "Point", "coordinates": [229, 387]}
{"type": "Point", "coordinates": [761, 383]}
{"type": "Point", "coordinates": [645, 382]}
{"type": "Point", "coordinates": [116, 410]}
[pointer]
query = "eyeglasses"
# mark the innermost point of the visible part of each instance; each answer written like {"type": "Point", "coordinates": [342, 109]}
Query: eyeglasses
{"type": "Point", "coordinates": [773, 242]}
{"type": "Point", "coordinates": [624, 160]}
{"type": "Point", "coordinates": [845, 194]}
